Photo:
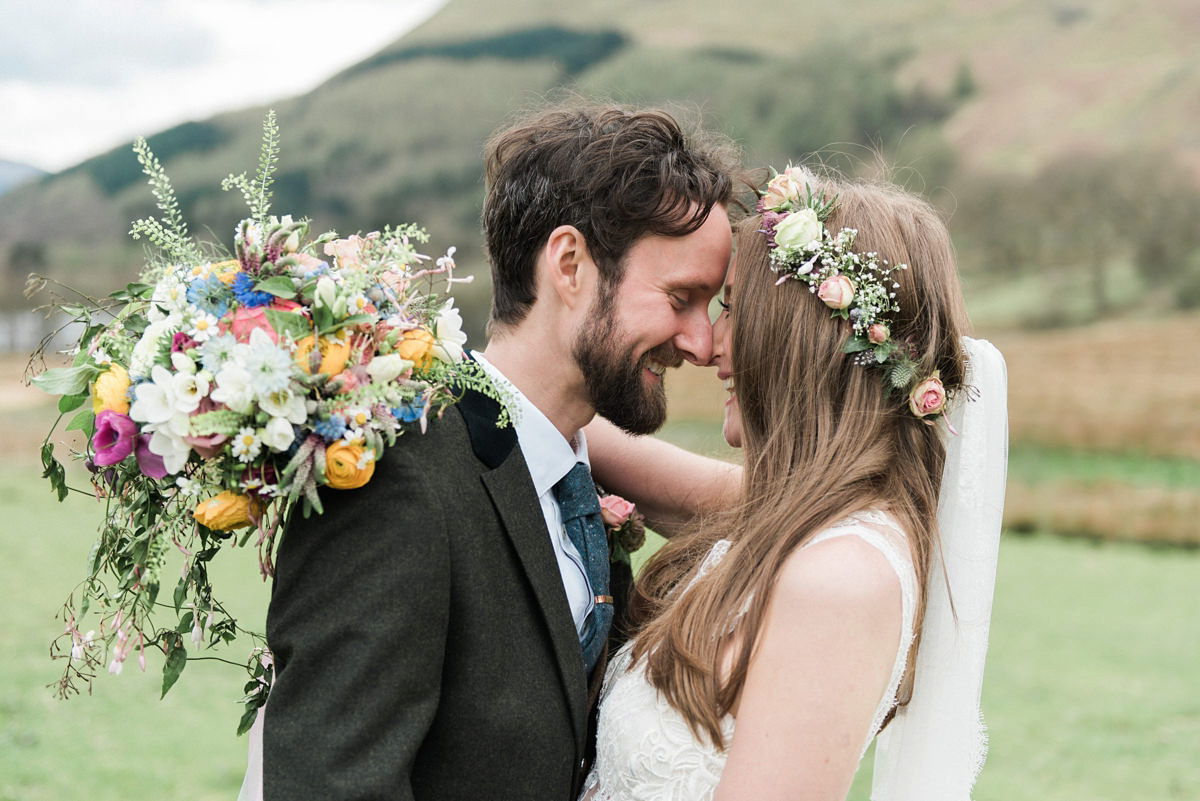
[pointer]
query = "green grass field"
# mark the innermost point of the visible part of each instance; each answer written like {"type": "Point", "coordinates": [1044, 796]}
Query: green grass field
{"type": "Point", "coordinates": [1089, 691]}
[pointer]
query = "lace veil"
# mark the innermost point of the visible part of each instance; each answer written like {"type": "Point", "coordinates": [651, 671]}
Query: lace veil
{"type": "Point", "coordinates": [934, 748]}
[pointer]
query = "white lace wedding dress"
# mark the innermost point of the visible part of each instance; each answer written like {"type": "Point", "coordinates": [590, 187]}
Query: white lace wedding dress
{"type": "Point", "coordinates": [645, 750]}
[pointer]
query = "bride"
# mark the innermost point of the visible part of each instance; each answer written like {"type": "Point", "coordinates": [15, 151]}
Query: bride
{"type": "Point", "coordinates": [849, 591]}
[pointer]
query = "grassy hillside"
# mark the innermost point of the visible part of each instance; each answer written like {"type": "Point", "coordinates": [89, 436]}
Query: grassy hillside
{"type": "Point", "coordinates": [973, 102]}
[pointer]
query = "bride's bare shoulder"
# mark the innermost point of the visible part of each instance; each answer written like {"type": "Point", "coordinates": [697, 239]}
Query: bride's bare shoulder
{"type": "Point", "coordinates": [842, 574]}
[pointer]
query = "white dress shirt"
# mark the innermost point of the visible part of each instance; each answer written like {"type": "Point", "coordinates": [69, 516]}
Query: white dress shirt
{"type": "Point", "coordinates": [550, 457]}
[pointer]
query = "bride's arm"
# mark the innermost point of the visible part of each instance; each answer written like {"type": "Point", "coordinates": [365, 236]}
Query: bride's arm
{"type": "Point", "coordinates": [822, 662]}
{"type": "Point", "coordinates": [669, 485]}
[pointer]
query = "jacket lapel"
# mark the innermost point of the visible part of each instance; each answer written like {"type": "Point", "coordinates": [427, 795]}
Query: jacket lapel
{"type": "Point", "coordinates": [511, 490]}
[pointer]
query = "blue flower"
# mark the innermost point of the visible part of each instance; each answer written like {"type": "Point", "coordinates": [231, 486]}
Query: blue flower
{"type": "Point", "coordinates": [210, 295]}
{"type": "Point", "coordinates": [319, 270]}
{"type": "Point", "coordinates": [243, 290]}
{"type": "Point", "coordinates": [331, 429]}
{"type": "Point", "coordinates": [408, 412]}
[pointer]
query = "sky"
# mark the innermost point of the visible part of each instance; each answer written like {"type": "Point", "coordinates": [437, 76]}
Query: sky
{"type": "Point", "coordinates": [79, 77]}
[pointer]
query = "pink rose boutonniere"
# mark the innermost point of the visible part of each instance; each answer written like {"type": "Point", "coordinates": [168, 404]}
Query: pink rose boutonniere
{"type": "Point", "coordinates": [626, 531]}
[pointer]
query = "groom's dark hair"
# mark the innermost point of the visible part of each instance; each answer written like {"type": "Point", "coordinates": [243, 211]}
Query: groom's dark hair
{"type": "Point", "coordinates": [614, 173]}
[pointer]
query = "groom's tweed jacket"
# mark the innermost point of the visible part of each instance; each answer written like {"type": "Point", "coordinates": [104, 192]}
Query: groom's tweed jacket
{"type": "Point", "coordinates": [423, 642]}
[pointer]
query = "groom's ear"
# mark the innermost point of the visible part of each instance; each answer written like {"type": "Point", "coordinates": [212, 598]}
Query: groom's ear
{"type": "Point", "coordinates": [570, 269]}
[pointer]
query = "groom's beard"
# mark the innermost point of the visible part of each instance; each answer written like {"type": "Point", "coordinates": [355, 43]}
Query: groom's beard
{"type": "Point", "coordinates": [613, 377]}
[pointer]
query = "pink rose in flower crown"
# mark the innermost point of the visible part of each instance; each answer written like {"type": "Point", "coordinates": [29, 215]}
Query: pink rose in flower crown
{"type": "Point", "coordinates": [836, 291]}
{"type": "Point", "coordinates": [878, 333]}
{"type": "Point", "coordinates": [928, 398]}
{"type": "Point", "coordinates": [781, 189]}
{"type": "Point", "coordinates": [615, 510]}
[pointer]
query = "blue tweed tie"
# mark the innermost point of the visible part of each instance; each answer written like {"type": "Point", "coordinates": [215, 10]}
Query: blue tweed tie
{"type": "Point", "coordinates": [576, 496]}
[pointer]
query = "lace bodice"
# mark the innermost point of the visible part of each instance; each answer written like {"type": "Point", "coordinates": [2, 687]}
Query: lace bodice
{"type": "Point", "coordinates": [645, 750]}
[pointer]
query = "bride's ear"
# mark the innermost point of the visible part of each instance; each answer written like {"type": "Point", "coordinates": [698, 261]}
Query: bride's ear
{"type": "Point", "coordinates": [569, 267]}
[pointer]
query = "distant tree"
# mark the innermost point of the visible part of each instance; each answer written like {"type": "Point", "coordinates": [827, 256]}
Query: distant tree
{"type": "Point", "coordinates": [964, 83]}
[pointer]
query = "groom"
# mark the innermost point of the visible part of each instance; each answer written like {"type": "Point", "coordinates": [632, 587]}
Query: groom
{"type": "Point", "coordinates": [427, 627]}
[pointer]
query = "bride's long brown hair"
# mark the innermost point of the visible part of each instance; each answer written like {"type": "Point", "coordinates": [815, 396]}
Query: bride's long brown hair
{"type": "Point", "coordinates": [823, 438]}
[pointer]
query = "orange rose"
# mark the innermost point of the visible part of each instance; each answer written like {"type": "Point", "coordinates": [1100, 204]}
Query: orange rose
{"type": "Point", "coordinates": [228, 511]}
{"type": "Point", "coordinates": [110, 391]}
{"type": "Point", "coordinates": [417, 347]}
{"type": "Point", "coordinates": [342, 469]}
{"type": "Point", "coordinates": [334, 354]}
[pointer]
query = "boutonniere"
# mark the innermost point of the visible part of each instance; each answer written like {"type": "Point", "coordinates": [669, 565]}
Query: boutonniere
{"type": "Point", "coordinates": [624, 525]}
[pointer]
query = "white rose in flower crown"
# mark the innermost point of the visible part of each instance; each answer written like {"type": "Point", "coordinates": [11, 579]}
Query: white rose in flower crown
{"type": "Point", "coordinates": [797, 229]}
{"type": "Point", "coordinates": [448, 331]}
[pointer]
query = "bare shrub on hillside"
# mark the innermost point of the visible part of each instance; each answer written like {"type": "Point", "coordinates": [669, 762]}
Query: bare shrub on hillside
{"type": "Point", "coordinates": [1105, 510]}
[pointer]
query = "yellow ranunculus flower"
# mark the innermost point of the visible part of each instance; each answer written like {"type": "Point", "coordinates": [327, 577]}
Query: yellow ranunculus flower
{"type": "Point", "coordinates": [341, 465]}
{"type": "Point", "coordinates": [110, 390]}
{"type": "Point", "coordinates": [416, 345]}
{"type": "Point", "coordinates": [334, 354]}
{"type": "Point", "coordinates": [228, 511]}
{"type": "Point", "coordinates": [226, 271]}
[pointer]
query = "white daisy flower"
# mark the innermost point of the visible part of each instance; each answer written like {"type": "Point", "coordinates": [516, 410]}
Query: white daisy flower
{"type": "Point", "coordinates": [246, 444]}
{"type": "Point", "coordinates": [357, 417]}
{"type": "Point", "coordinates": [203, 326]}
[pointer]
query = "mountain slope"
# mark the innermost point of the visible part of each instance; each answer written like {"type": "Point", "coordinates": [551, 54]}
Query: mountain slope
{"type": "Point", "coordinates": [951, 90]}
{"type": "Point", "coordinates": [13, 174]}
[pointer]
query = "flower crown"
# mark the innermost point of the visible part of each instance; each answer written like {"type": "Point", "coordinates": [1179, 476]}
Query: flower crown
{"type": "Point", "coordinates": [858, 287]}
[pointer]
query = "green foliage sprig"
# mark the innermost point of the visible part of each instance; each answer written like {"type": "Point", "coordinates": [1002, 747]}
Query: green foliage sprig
{"type": "Point", "coordinates": [258, 192]}
{"type": "Point", "coordinates": [170, 234]}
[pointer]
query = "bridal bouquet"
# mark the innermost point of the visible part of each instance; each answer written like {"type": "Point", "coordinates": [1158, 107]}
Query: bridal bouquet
{"type": "Point", "coordinates": [220, 392]}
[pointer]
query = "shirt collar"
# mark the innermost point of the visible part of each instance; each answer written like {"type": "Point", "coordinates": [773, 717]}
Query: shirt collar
{"type": "Point", "coordinates": [547, 452]}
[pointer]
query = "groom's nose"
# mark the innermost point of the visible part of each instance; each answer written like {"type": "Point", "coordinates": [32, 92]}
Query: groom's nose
{"type": "Point", "coordinates": [694, 339]}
